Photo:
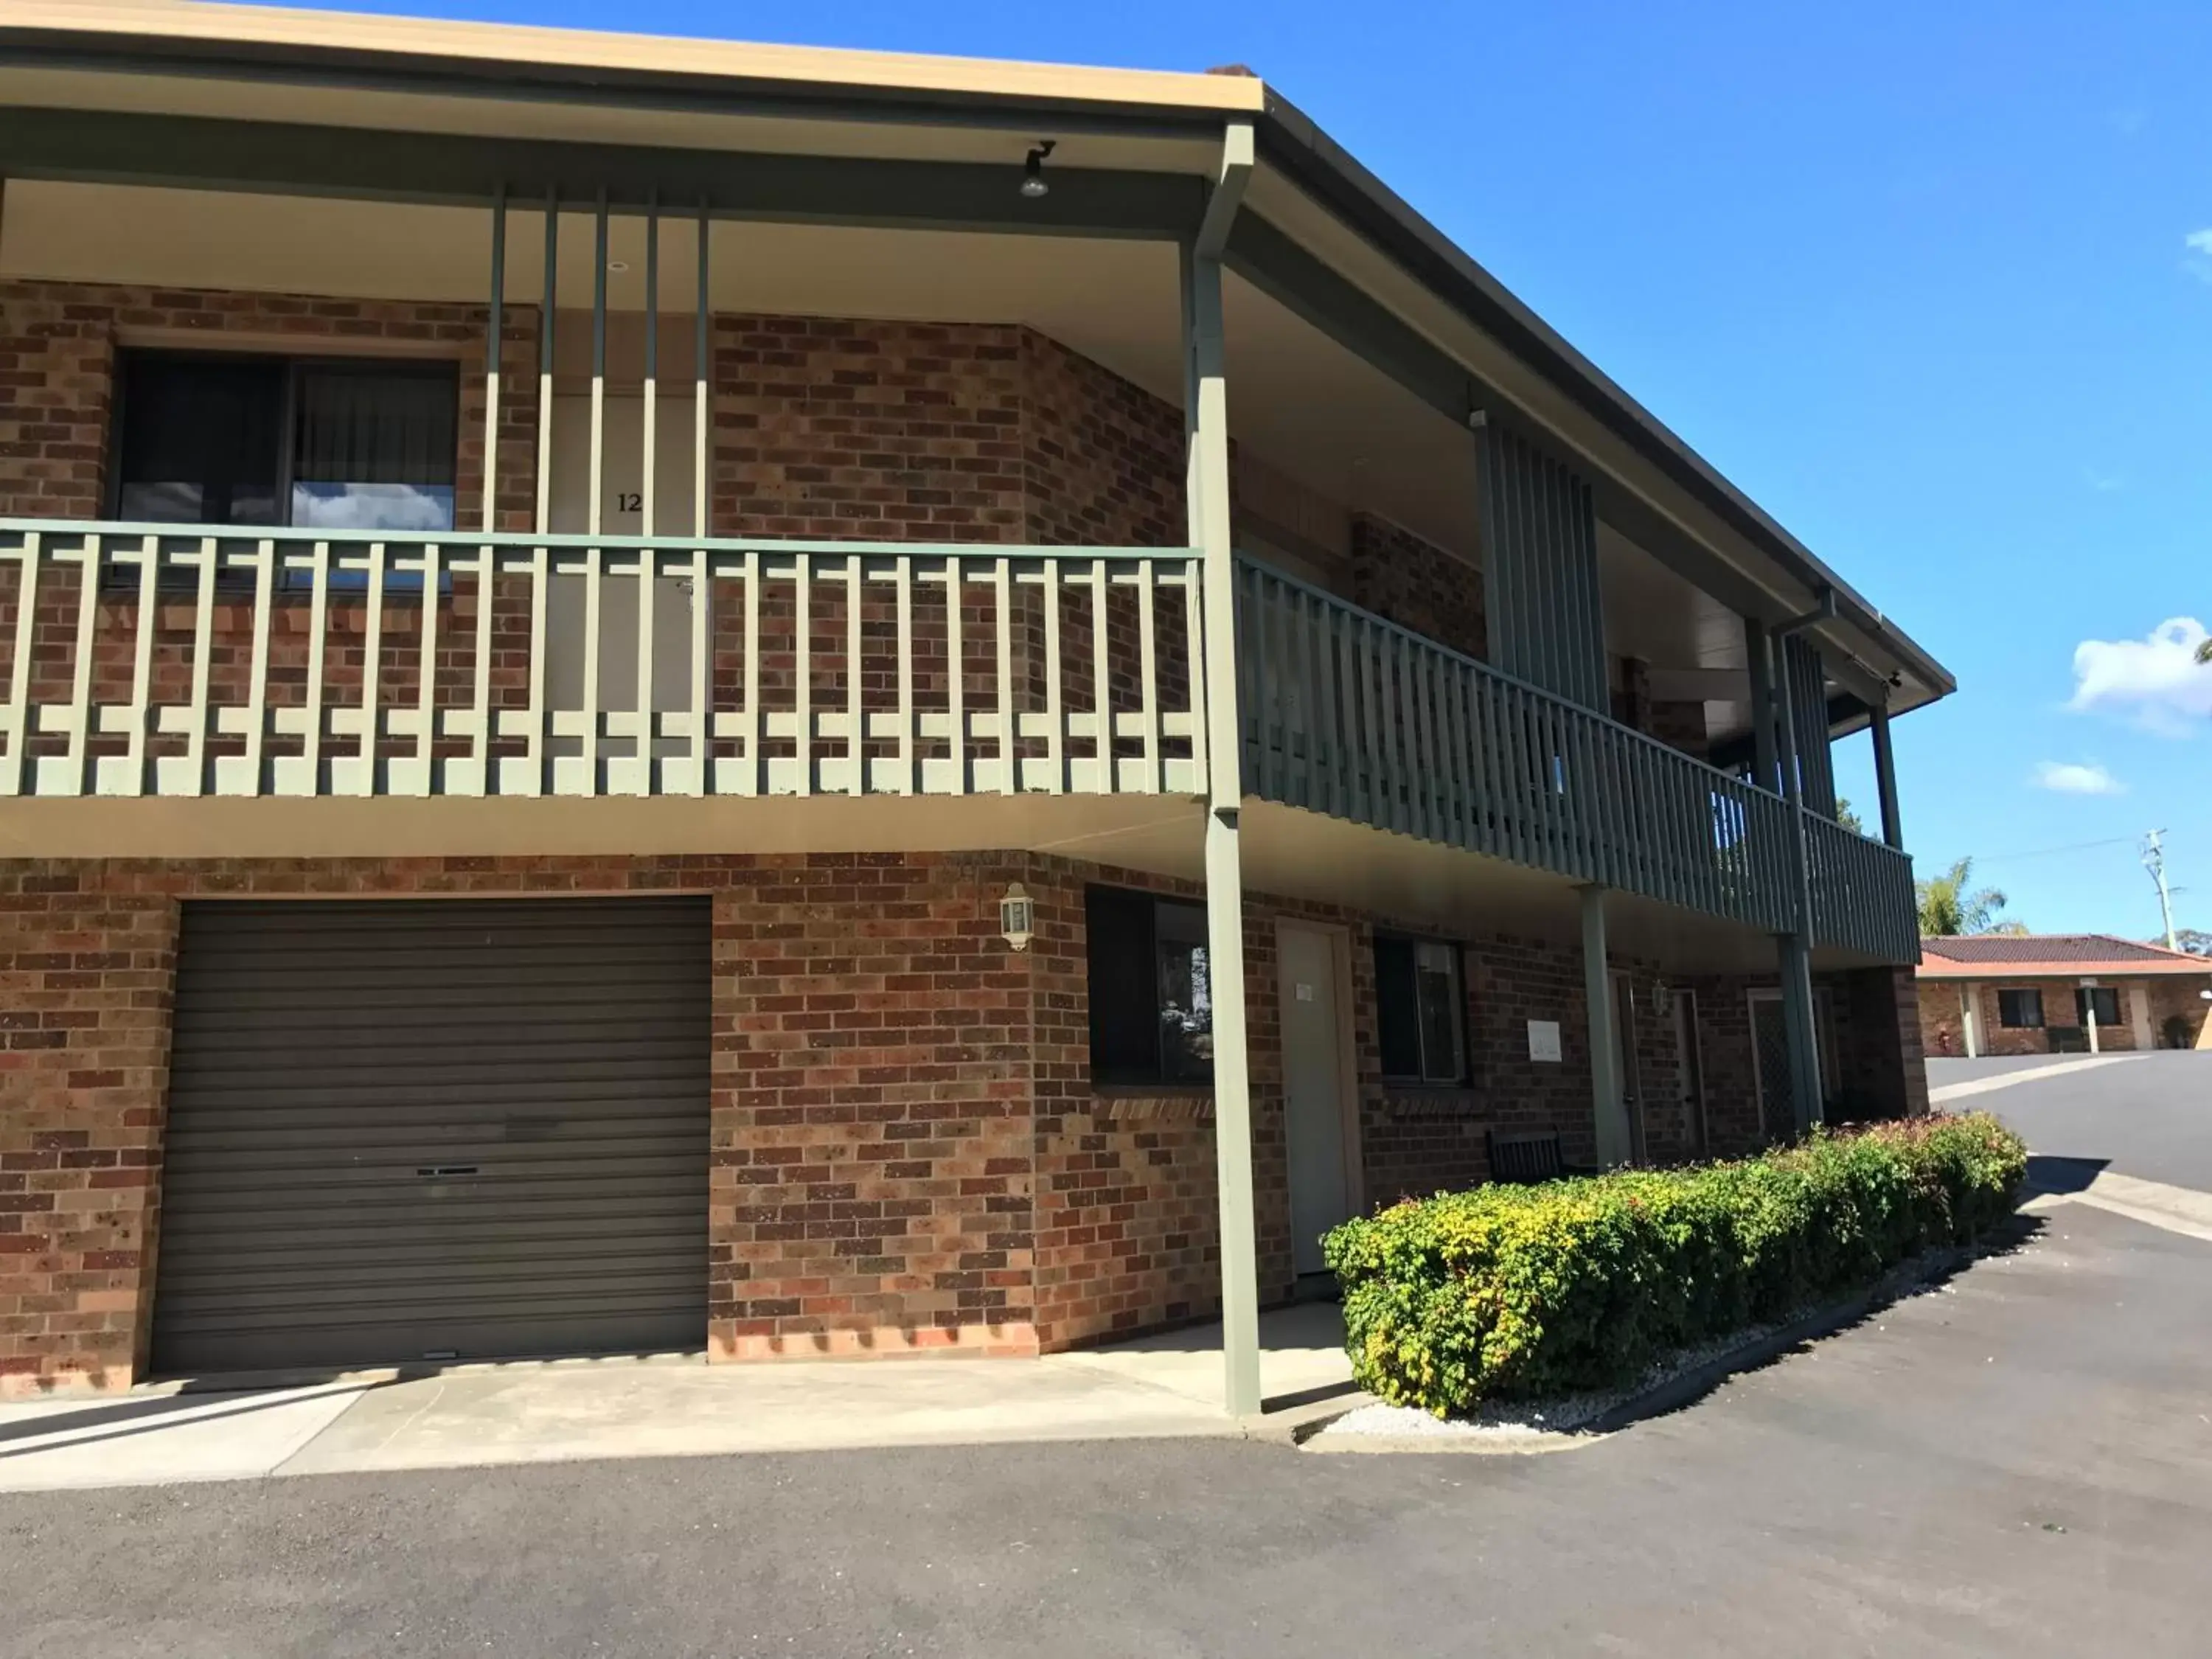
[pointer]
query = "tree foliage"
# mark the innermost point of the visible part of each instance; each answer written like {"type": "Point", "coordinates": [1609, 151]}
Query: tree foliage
{"type": "Point", "coordinates": [1950, 905]}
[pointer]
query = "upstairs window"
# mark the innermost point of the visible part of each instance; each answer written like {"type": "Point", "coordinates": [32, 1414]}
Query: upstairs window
{"type": "Point", "coordinates": [208, 439]}
{"type": "Point", "coordinates": [2103, 999]}
{"type": "Point", "coordinates": [2020, 1010]}
{"type": "Point", "coordinates": [1421, 1000]}
{"type": "Point", "coordinates": [1152, 995]}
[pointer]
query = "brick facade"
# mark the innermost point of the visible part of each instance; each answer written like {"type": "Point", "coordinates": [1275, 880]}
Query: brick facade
{"type": "Point", "coordinates": [908, 1153]}
{"type": "Point", "coordinates": [2167, 999]}
{"type": "Point", "coordinates": [1417, 585]}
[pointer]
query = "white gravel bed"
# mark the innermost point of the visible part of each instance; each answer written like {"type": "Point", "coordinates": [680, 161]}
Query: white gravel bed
{"type": "Point", "coordinates": [1522, 1420]}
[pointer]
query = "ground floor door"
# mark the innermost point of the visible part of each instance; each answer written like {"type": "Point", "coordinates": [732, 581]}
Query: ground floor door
{"type": "Point", "coordinates": [1770, 1041]}
{"type": "Point", "coordinates": [434, 1130]}
{"type": "Point", "coordinates": [1319, 1125]}
{"type": "Point", "coordinates": [1629, 1106]}
{"type": "Point", "coordinates": [1689, 1070]}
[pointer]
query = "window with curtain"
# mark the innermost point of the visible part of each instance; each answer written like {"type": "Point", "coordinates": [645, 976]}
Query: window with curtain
{"type": "Point", "coordinates": [209, 439]}
{"type": "Point", "coordinates": [2020, 1010]}
{"type": "Point", "coordinates": [2105, 1000]}
{"type": "Point", "coordinates": [1420, 1010]}
{"type": "Point", "coordinates": [373, 446]}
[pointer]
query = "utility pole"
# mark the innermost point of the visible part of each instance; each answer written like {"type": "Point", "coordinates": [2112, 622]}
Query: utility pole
{"type": "Point", "coordinates": [2154, 858]}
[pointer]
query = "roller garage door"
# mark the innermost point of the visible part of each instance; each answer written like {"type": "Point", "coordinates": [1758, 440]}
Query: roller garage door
{"type": "Point", "coordinates": [434, 1129]}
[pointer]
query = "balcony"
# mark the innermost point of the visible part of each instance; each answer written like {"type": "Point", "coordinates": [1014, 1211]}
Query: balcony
{"type": "Point", "coordinates": [1350, 716]}
{"type": "Point", "coordinates": [144, 662]}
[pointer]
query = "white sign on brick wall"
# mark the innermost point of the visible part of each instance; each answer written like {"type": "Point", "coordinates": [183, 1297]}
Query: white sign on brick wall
{"type": "Point", "coordinates": [1544, 1040]}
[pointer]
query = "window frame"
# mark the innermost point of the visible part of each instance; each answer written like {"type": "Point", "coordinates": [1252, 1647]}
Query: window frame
{"type": "Point", "coordinates": [1114, 1074]}
{"type": "Point", "coordinates": [1465, 1072]}
{"type": "Point", "coordinates": [292, 367]}
{"type": "Point", "coordinates": [2084, 998]}
{"type": "Point", "coordinates": [2007, 1025]}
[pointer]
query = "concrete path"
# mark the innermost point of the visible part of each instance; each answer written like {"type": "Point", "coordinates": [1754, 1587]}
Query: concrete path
{"type": "Point", "coordinates": [563, 1411]}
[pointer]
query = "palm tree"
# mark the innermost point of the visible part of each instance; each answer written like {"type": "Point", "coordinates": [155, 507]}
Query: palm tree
{"type": "Point", "coordinates": [1949, 907]}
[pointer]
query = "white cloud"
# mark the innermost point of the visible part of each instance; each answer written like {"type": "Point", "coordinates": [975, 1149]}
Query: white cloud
{"type": "Point", "coordinates": [2157, 679]}
{"type": "Point", "coordinates": [2199, 262]}
{"type": "Point", "coordinates": [2067, 778]}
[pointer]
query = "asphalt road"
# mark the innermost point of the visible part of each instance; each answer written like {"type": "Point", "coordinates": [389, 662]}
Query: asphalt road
{"type": "Point", "coordinates": [2149, 1115]}
{"type": "Point", "coordinates": [2018, 1465]}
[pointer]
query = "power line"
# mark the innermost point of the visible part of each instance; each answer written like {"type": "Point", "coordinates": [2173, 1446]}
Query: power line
{"type": "Point", "coordinates": [2053, 851]}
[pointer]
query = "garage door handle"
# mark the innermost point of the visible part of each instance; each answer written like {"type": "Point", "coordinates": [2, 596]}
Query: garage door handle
{"type": "Point", "coordinates": [446, 1169]}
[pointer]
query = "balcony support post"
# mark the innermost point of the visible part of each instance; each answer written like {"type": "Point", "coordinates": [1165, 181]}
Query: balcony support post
{"type": "Point", "coordinates": [495, 339]}
{"type": "Point", "coordinates": [1795, 948]}
{"type": "Point", "coordinates": [1205, 414]}
{"type": "Point", "coordinates": [1760, 655]}
{"type": "Point", "coordinates": [1885, 776]}
{"type": "Point", "coordinates": [1610, 1109]}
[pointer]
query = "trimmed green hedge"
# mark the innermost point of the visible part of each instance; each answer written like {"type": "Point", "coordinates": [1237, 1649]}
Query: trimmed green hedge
{"type": "Point", "coordinates": [1524, 1292]}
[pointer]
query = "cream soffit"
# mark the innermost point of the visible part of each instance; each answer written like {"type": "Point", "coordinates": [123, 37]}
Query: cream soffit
{"type": "Point", "coordinates": [510, 47]}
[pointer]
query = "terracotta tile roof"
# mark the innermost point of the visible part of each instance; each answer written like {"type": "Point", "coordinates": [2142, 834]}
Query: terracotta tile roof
{"type": "Point", "coordinates": [2029, 955]}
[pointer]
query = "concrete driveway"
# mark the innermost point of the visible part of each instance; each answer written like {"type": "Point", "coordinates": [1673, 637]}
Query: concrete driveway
{"type": "Point", "coordinates": [2148, 1116]}
{"type": "Point", "coordinates": [485, 1415]}
{"type": "Point", "coordinates": [2020, 1466]}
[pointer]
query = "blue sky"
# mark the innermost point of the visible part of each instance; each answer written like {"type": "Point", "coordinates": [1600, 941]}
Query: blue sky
{"type": "Point", "coordinates": [1918, 277]}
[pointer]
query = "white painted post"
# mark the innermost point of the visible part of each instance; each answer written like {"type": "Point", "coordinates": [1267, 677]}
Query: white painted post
{"type": "Point", "coordinates": [2089, 1014]}
{"type": "Point", "coordinates": [1206, 415]}
{"type": "Point", "coordinates": [1969, 1022]}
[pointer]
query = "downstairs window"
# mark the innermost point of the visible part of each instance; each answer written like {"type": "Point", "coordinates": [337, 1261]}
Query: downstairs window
{"type": "Point", "coordinates": [1151, 993]}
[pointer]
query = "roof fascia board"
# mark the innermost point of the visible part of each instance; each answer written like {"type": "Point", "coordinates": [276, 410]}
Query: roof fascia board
{"type": "Point", "coordinates": [1015, 116]}
{"type": "Point", "coordinates": [196, 152]}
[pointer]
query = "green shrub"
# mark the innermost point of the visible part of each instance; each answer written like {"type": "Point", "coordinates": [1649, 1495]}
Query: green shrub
{"type": "Point", "coordinates": [1524, 1291]}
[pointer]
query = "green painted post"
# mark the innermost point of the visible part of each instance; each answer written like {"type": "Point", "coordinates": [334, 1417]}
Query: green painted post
{"type": "Point", "coordinates": [1206, 416]}
{"type": "Point", "coordinates": [1796, 949]}
{"type": "Point", "coordinates": [1605, 1104]}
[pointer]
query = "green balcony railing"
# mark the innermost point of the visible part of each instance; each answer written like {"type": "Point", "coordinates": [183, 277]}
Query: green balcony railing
{"type": "Point", "coordinates": [1347, 713]}
{"type": "Point", "coordinates": [1862, 893]}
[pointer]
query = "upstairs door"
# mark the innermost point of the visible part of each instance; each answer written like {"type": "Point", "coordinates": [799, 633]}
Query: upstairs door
{"type": "Point", "coordinates": [622, 513]}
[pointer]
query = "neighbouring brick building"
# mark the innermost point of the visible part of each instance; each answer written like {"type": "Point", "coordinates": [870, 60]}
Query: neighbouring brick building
{"type": "Point", "coordinates": [731, 821]}
{"type": "Point", "coordinates": [2032, 993]}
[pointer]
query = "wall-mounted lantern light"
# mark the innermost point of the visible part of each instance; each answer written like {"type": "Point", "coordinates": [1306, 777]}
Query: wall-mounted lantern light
{"type": "Point", "coordinates": [1033, 182]}
{"type": "Point", "coordinates": [1018, 917]}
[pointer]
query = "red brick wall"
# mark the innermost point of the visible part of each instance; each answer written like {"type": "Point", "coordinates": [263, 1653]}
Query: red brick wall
{"type": "Point", "coordinates": [1416, 585]}
{"type": "Point", "coordinates": [827, 427]}
{"type": "Point", "coordinates": [2179, 999]}
{"type": "Point", "coordinates": [1102, 458]}
{"type": "Point", "coordinates": [1937, 1005]}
